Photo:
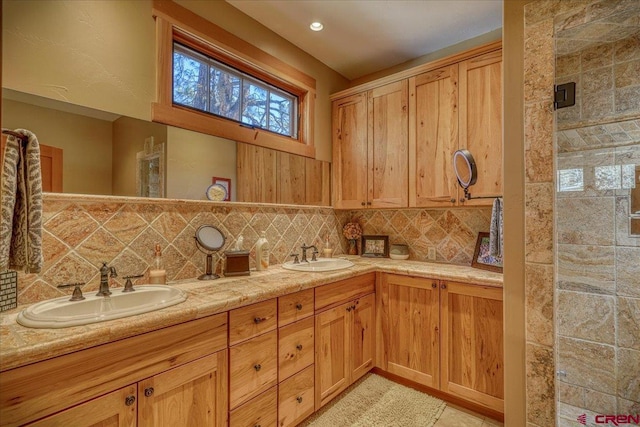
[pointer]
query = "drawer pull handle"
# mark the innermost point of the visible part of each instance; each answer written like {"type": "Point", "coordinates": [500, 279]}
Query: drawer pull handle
{"type": "Point", "coordinates": [298, 306]}
{"type": "Point", "coordinates": [299, 346]}
{"type": "Point", "coordinates": [443, 286]}
{"type": "Point", "coordinates": [349, 308]}
{"type": "Point", "coordinates": [257, 425]}
{"type": "Point", "coordinates": [130, 400]}
{"type": "Point", "coordinates": [257, 367]}
{"type": "Point", "coordinates": [148, 391]}
{"type": "Point", "coordinates": [299, 399]}
{"type": "Point", "coordinates": [259, 320]}
{"type": "Point", "coordinates": [434, 285]}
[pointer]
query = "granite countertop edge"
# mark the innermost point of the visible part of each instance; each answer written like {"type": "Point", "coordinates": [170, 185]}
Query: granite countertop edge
{"type": "Point", "coordinates": [21, 346]}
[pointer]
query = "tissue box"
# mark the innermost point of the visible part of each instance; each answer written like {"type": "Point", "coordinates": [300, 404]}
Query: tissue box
{"type": "Point", "coordinates": [8, 290]}
{"type": "Point", "coordinates": [237, 263]}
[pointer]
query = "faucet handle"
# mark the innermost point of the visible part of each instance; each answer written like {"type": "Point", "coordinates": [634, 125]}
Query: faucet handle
{"type": "Point", "coordinates": [295, 258]}
{"type": "Point", "coordinates": [313, 255]}
{"type": "Point", "coordinates": [128, 286]}
{"type": "Point", "coordinates": [77, 292]}
{"type": "Point", "coordinates": [113, 272]}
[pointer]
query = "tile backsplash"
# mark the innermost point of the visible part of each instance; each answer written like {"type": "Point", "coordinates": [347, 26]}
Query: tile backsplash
{"type": "Point", "coordinates": [80, 232]}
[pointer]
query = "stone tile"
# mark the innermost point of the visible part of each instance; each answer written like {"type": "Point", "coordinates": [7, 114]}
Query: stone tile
{"type": "Point", "coordinates": [540, 387]}
{"type": "Point", "coordinates": [126, 225]}
{"type": "Point", "coordinates": [586, 221]}
{"type": "Point", "coordinates": [587, 364]}
{"type": "Point", "coordinates": [598, 105]}
{"type": "Point", "coordinates": [101, 212]}
{"type": "Point", "coordinates": [54, 249]}
{"type": "Point", "coordinates": [590, 162]}
{"type": "Point", "coordinates": [587, 268]}
{"type": "Point", "coordinates": [539, 142]}
{"type": "Point", "coordinates": [628, 319]}
{"type": "Point", "coordinates": [567, 64]}
{"type": "Point", "coordinates": [628, 407]}
{"type": "Point", "coordinates": [597, 80]}
{"type": "Point", "coordinates": [623, 236]}
{"type": "Point", "coordinates": [586, 316]}
{"type": "Point", "coordinates": [539, 62]}
{"type": "Point", "coordinates": [539, 223]}
{"type": "Point", "coordinates": [600, 403]}
{"type": "Point", "coordinates": [100, 247]}
{"type": "Point", "coordinates": [169, 224]}
{"type": "Point", "coordinates": [627, 49]}
{"type": "Point", "coordinates": [71, 269]}
{"type": "Point", "coordinates": [568, 415]}
{"type": "Point", "coordinates": [627, 74]}
{"type": "Point", "coordinates": [72, 225]}
{"type": "Point", "coordinates": [596, 57]}
{"type": "Point", "coordinates": [39, 291]}
{"type": "Point", "coordinates": [628, 271]}
{"type": "Point", "coordinates": [628, 378]}
{"type": "Point", "coordinates": [539, 303]}
{"type": "Point", "coordinates": [627, 100]}
{"type": "Point", "coordinates": [570, 394]}
{"type": "Point", "coordinates": [548, 9]}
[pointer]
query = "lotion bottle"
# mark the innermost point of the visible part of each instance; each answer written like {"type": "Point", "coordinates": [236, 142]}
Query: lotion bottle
{"type": "Point", "coordinates": [327, 251]}
{"type": "Point", "coordinates": [262, 252]}
{"type": "Point", "coordinates": [157, 274]}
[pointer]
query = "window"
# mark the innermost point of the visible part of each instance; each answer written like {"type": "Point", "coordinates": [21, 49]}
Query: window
{"type": "Point", "coordinates": [204, 84]}
{"type": "Point", "coordinates": [210, 81]}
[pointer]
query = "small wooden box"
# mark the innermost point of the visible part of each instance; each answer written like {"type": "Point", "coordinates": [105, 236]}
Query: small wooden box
{"type": "Point", "coordinates": [237, 263]}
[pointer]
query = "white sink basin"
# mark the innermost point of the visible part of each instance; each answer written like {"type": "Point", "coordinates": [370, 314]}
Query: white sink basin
{"type": "Point", "coordinates": [61, 313]}
{"type": "Point", "coordinates": [322, 264]}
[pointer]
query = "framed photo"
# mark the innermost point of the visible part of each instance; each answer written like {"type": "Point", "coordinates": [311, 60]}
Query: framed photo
{"type": "Point", "coordinates": [226, 183]}
{"type": "Point", "coordinates": [375, 246]}
{"type": "Point", "coordinates": [481, 257]}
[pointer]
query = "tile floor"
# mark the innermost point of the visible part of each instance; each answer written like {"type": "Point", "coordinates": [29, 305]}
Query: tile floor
{"type": "Point", "coordinates": [455, 416]}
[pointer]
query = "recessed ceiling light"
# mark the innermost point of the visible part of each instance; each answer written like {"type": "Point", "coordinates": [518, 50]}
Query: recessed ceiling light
{"type": "Point", "coordinates": [316, 26]}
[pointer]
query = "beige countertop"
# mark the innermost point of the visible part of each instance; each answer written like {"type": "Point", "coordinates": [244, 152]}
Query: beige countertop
{"type": "Point", "coordinates": [20, 345]}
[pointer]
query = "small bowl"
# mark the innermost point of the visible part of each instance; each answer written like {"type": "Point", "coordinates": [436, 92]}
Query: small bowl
{"type": "Point", "coordinates": [399, 251]}
{"type": "Point", "coordinates": [397, 256]}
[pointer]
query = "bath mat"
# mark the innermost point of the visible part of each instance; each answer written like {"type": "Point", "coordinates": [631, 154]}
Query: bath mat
{"type": "Point", "coordinates": [374, 401]}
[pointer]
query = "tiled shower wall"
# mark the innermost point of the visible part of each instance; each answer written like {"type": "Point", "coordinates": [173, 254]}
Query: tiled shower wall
{"type": "Point", "coordinates": [598, 260]}
{"type": "Point", "coordinates": [80, 232]}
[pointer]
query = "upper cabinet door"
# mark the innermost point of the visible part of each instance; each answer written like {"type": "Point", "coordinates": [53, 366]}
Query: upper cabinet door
{"type": "Point", "coordinates": [256, 174]}
{"type": "Point", "coordinates": [481, 122]}
{"type": "Point", "coordinates": [433, 137]}
{"type": "Point", "coordinates": [349, 169]}
{"type": "Point", "coordinates": [388, 174]}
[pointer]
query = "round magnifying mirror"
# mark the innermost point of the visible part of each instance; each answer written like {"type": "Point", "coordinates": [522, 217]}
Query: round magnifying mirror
{"type": "Point", "coordinates": [465, 168]}
{"type": "Point", "coordinates": [209, 239]}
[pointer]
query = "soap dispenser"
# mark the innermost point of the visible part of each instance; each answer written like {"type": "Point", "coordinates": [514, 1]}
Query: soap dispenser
{"type": "Point", "coordinates": [327, 251]}
{"type": "Point", "coordinates": [157, 274]}
{"type": "Point", "coordinates": [262, 252]}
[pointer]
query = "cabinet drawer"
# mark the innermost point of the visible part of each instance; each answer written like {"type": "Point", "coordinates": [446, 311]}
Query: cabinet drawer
{"type": "Point", "coordinates": [295, 398]}
{"type": "Point", "coordinates": [259, 411]}
{"type": "Point", "coordinates": [295, 347]}
{"type": "Point", "coordinates": [329, 296]}
{"type": "Point", "coordinates": [253, 367]}
{"type": "Point", "coordinates": [252, 320]}
{"type": "Point", "coordinates": [294, 307]}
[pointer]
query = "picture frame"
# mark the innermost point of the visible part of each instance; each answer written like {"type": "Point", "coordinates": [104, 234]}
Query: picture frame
{"type": "Point", "coordinates": [375, 246]}
{"type": "Point", "coordinates": [226, 183]}
{"type": "Point", "coordinates": [481, 257]}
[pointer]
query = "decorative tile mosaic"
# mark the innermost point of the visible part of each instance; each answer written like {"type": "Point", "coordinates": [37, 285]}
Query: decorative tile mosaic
{"type": "Point", "coordinates": [8, 290]}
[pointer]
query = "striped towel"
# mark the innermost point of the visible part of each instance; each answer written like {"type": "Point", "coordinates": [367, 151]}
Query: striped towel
{"type": "Point", "coordinates": [21, 210]}
{"type": "Point", "coordinates": [495, 232]}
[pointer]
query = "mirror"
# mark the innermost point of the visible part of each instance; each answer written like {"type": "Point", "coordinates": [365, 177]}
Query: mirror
{"type": "Point", "coordinates": [465, 168]}
{"type": "Point", "coordinates": [209, 239]}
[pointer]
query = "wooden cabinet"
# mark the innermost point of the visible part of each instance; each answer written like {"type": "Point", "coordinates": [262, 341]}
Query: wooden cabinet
{"type": "Point", "coordinates": [115, 409]}
{"type": "Point", "coordinates": [269, 176]}
{"type": "Point", "coordinates": [472, 343]}
{"type": "Point", "coordinates": [183, 364]}
{"type": "Point", "coordinates": [370, 148]}
{"type": "Point", "coordinates": [345, 341]}
{"type": "Point", "coordinates": [259, 411]}
{"type": "Point", "coordinates": [445, 335]}
{"type": "Point", "coordinates": [481, 122]}
{"type": "Point", "coordinates": [295, 348]}
{"type": "Point", "coordinates": [296, 398]}
{"type": "Point", "coordinates": [189, 395]}
{"type": "Point", "coordinates": [433, 137]}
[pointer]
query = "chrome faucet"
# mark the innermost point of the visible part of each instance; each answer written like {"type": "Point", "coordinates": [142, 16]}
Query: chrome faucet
{"type": "Point", "coordinates": [304, 248]}
{"type": "Point", "coordinates": [105, 273]}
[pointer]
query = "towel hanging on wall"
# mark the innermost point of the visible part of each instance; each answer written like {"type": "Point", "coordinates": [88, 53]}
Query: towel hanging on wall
{"type": "Point", "coordinates": [495, 232]}
{"type": "Point", "coordinates": [21, 210]}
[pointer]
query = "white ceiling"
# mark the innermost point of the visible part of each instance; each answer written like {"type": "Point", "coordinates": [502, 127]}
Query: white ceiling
{"type": "Point", "coordinates": [364, 36]}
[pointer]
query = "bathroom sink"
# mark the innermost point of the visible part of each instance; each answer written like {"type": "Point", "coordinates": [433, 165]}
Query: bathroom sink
{"type": "Point", "coordinates": [322, 264]}
{"type": "Point", "coordinates": [62, 313]}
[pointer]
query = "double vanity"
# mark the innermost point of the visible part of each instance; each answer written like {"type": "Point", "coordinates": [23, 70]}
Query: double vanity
{"type": "Point", "coordinates": [264, 350]}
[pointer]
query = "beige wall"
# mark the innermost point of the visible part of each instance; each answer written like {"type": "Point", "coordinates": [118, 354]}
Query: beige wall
{"type": "Point", "coordinates": [193, 159]}
{"type": "Point", "coordinates": [85, 143]}
{"type": "Point", "coordinates": [101, 54]}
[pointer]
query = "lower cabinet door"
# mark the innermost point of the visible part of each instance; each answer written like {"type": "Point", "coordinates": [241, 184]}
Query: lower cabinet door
{"type": "Point", "coordinates": [116, 409]}
{"type": "Point", "coordinates": [332, 353]}
{"type": "Point", "coordinates": [362, 336]}
{"type": "Point", "coordinates": [472, 343]}
{"type": "Point", "coordinates": [260, 411]}
{"type": "Point", "coordinates": [295, 398]}
{"type": "Point", "coordinates": [193, 394]}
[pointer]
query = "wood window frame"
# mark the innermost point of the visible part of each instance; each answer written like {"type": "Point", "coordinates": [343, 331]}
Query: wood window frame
{"type": "Point", "coordinates": [176, 23]}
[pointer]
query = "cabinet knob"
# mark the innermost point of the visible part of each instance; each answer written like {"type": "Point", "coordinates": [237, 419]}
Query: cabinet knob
{"type": "Point", "coordinates": [434, 285]}
{"type": "Point", "coordinates": [257, 367]}
{"type": "Point", "coordinates": [453, 200]}
{"type": "Point", "coordinates": [299, 399]}
{"type": "Point", "coordinates": [369, 203]}
{"type": "Point", "coordinates": [130, 400]}
{"type": "Point", "coordinates": [299, 347]}
{"type": "Point", "coordinates": [362, 203]}
{"type": "Point", "coordinates": [298, 306]}
{"type": "Point", "coordinates": [462, 200]}
{"type": "Point", "coordinates": [349, 308]}
{"type": "Point", "coordinates": [257, 425]}
{"type": "Point", "coordinates": [443, 286]}
{"type": "Point", "coordinates": [148, 391]}
{"type": "Point", "coordinates": [259, 320]}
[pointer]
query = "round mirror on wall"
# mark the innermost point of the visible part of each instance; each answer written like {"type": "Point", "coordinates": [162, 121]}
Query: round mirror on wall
{"type": "Point", "coordinates": [209, 240]}
{"type": "Point", "coordinates": [465, 168]}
